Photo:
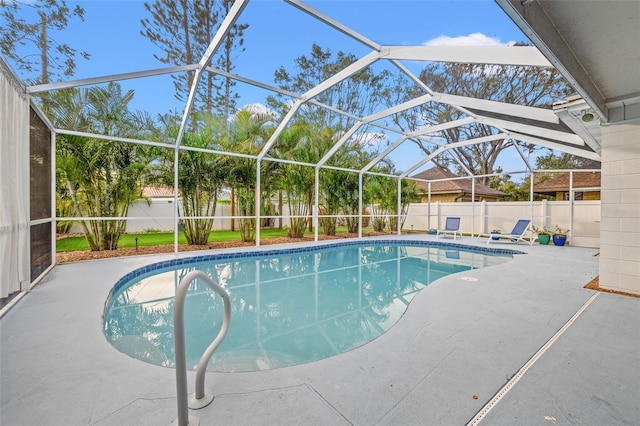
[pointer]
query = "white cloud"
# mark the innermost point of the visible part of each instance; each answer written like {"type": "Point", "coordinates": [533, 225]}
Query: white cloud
{"type": "Point", "coordinates": [257, 108]}
{"type": "Point", "coordinates": [475, 39]}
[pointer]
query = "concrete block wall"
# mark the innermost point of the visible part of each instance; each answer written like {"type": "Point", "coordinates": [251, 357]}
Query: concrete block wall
{"type": "Point", "coordinates": [620, 215]}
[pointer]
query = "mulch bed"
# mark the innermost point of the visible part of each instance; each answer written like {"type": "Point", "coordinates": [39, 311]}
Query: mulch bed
{"type": "Point", "coordinates": [594, 284]}
{"type": "Point", "coordinates": [77, 256]}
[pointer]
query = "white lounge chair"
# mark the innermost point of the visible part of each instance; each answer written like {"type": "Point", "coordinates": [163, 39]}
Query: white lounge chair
{"type": "Point", "coordinates": [451, 226]}
{"type": "Point", "coordinates": [516, 235]}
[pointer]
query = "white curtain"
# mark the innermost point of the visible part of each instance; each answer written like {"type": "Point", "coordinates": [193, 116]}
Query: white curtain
{"type": "Point", "coordinates": [14, 184]}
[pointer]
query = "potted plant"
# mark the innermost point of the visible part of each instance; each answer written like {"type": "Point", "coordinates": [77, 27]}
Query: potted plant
{"type": "Point", "coordinates": [544, 235]}
{"type": "Point", "coordinates": [560, 236]}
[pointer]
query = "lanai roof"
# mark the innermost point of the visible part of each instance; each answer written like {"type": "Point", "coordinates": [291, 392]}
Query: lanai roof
{"type": "Point", "coordinates": [509, 121]}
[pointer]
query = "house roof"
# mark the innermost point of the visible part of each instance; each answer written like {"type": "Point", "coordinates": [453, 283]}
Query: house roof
{"type": "Point", "coordinates": [561, 182]}
{"type": "Point", "coordinates": [167, 192]}
{"type": "Point", "coordinates": [157, 191]}
{"type": "Point", "coordinates": [451, 186]}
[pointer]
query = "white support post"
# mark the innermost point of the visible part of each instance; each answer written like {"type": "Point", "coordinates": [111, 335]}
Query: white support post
{"type": "Point", "coordinates": [483, 213]}
{"type": "Point", "coordinates": [399, 222]}
{"type": "Point", "coordinates": [531, 195]}
{"type": "Point", "coordinates": [571, 203]}
{"type": "Point", "coordinates": [473, 203]}
{"type": "Point", "coordinates": [316, 205]}
{"type": "Point", "coordinates": [54, 215]}
{"type": "Point", "coordinates": [429, 205]}
{"type": "Point", "coordinates": [258, 201]}
{"type": "Point", "coordinates": [360, 205]}
{"type": "Point", "coordinates": [175, 199]}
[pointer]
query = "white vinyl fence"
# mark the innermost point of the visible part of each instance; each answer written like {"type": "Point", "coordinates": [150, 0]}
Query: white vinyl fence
{"type": "Point", "coordinates": [582, 218]}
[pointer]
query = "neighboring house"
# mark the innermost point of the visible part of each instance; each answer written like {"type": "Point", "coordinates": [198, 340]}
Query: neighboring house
{"type": "Point", "coordinates": [157, 192]}
{"type": "Point", "coordinates": [558, 186]}
{"type": "Point", "coordinates": [452, 191]}
{"type": "Point", "coordinates": [156, 206]}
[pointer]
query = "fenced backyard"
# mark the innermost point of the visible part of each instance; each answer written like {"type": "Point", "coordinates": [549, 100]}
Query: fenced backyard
{"type": "Point", "coordinates": [581, 218]}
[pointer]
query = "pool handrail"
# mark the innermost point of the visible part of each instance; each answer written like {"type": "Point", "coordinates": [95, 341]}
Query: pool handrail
{"type": "Point", "coordinates": [201, 398]}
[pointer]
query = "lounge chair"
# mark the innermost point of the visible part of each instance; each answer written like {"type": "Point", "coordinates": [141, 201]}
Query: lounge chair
{"type": "Point", "coordinates": [516, 235]}
{"type": "Point", "coordinates": [451, 226]}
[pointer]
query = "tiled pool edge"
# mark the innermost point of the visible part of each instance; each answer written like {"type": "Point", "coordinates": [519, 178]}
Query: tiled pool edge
{"type": "Point", "coordinates": [253, 253]}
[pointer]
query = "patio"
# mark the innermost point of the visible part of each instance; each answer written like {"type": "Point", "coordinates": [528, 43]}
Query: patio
{"type": "Point", "coordinates": [456, 346]}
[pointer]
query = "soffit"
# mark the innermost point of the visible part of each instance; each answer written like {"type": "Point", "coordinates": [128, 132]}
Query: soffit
{"type": "Point", "coordinates": [593, 43]}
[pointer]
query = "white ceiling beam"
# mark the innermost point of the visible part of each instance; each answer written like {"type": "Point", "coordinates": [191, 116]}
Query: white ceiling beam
{"type": "Point", "coordinates": [398, 108]}
{"type": "Point", "coordinates": [233, 14]}
{"type": "Point", "coordinates": [345, 73]}
{"type": "Point", "coordinates": [443, 126]}
{"type": "Point", "coordinates": [422, 162]}
{"type": "Point", "coordinates": [522, 111]}
{"type": "Point", "coordinates": [373, 117]}
{"type": "Point", "coordinates": [283, 124]}
{"type": "Point", "coordinates": [453, 145]}
{"type": "Point", "coordinates": [334, 24]}
{"type": "Point", "coordinates": [338, 144]}
{"type": "Point", "coordinates": [556, 146]}
{"type": "Point", "coordinates": [498, 55]}
{"type": "Point", "coordinates": [416, 133]}
{"type": "Point", "coordinates": [110, 138]}
{"type": "Point", "coordinates": [108, 78]}
{"type": "Point", "coordinates": [383, 154]}
{"type": "Point", "coordinates": [358, 65]}
{"type": "Point", "coordinates": [475, 141]}
{"type": "Point", "coordinates": [280, 91]}
{"type": "Point", "coordinates": [533, 130]}
{"type": "Point", "coordinates": [354, 35]}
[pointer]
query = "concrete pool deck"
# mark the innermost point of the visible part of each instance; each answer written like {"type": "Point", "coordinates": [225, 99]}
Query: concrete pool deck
{"type": "Point", "coordinates": [456, 346]}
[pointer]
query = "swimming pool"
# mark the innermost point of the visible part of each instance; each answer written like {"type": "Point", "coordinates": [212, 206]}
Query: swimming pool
{"type": "Point", "coordinates": [288, 306]}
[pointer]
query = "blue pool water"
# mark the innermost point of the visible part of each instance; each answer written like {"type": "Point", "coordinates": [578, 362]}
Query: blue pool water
{"type": "Point", "coordinates": [288, 306]}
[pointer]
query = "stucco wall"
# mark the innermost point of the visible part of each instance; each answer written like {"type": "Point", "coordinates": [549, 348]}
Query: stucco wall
{"type": "Point", "coordinates": [620, 226]}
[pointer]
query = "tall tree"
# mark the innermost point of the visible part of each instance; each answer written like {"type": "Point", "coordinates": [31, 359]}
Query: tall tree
{"type": "Point", "coordinates": [531, 86]}
{"type": "Point", "coordinates": [224, 99]}
{"type": "Point", "coordinates": [20, 38]}
{"type": "Point", "coordinates": [182, 30]}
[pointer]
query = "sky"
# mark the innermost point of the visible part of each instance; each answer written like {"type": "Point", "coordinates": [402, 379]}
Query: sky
{"type": "Point", "coordinates": [277, 34]}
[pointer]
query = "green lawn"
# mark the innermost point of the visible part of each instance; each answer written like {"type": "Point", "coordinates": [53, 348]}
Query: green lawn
{"type": "Point", "coordinates": [166, 238]}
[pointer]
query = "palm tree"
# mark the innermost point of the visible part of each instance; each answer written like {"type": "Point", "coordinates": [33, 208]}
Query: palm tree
{"type": "Point", "coordinates": [102, 177]}
{"type": "Point", "coordinates": [246, 134]}
{"type": "Point", "coordinates": [297, 180]}
{"type": "Point", "coordinates": [201, 177]}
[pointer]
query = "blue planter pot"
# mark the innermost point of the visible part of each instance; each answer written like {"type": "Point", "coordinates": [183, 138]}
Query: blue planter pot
{"type": "Point", "coordinates": [559, 240]}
